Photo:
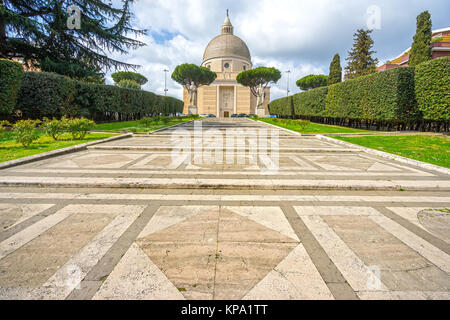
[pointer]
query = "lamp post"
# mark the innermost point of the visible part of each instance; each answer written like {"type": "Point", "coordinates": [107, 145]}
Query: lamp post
{"type": "Point", "coordinates": [287, 90]}
{"type": "Point", "coordinates": [165, 82]}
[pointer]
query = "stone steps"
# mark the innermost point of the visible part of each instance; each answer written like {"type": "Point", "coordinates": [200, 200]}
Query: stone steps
{"type": "Point", "coordinates": [224, 183]}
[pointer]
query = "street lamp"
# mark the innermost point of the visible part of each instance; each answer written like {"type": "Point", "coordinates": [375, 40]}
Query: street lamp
{"type": "Point", "coordinates": [165, 82]}
{"type": "Point", "coordinates": [287, 90]}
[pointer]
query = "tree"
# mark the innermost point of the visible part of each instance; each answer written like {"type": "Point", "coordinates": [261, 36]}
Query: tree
{"type": "Point", "coordinates": [254, 77]}
{"type": "Point", "coordinates": [127, 79]}
{"type": "Point", "coordinates": [312, 81]}
{"type": "Point", "coordinates": [421, 47]}
{"type": "Point", "coordinates": [129, 84]}
{"type": "Point", "coordinates": [335, 70]}
{"type": "Point", "coordinates": [360, 60]}
{"type": "Point", "coordinates": [37, 31]}
{"type": "Point", "coordinates": [186, 73]}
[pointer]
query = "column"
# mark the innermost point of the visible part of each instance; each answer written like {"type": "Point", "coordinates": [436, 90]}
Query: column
{"type": "Point", "coordinates": [218, 101]}
{"type": "Point", "coordinates": [235, 99]}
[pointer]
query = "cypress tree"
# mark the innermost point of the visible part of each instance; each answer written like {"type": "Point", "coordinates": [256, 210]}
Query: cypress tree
{"type": "Point", "coordinates": [360, 60]}
{"type": "Point", "coordinates": [421, 47]}
{"type": "Point", "coordinates": [335, 70]}
{"type": "Point", "coordinates": [37, 31]}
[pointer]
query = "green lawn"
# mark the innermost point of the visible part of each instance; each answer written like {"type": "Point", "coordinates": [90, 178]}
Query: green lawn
{"type": "Point", "coordinates": [137, 126]}
{"type": "Point", "coordinates": [312, 128]}
{"type": "Point", "coordinates": [431, 149]}
{"type": "Point", "coordinates": [11, 150]}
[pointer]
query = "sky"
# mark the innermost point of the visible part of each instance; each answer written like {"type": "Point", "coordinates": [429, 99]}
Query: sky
{"type": "Point", "coordinates": [296, 35]}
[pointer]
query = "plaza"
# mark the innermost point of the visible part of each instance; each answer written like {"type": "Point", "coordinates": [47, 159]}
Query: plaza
{"type": "Point", "coordinates": [123, 220]}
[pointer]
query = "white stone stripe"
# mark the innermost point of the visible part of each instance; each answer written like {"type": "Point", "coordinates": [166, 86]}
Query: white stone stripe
{"type": "Point", "coordinates": [295, 278]}
{"type": "Point", "coordinates": [23, 237]}
{"type": "Point", "coordinates": [424, 248]}
{"type": "Point", "coordinates": [358, 275]}
{"type": "Point", "coordinates": [28, 211]}
{"type": "Point", "coordinates": [69, 276]}
{"type": "Point", "coordinates": [136, 277]}
{"type": "Point", "coordinates": [237, 197]}
{"type": "Point", "coordinates": [312, 171]}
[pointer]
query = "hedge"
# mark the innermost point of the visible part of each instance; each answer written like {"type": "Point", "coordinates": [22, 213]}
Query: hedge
{"type": "Point", "coordinates": [433, 89]}
{"type": "Point", "coordinates": [10, 78]}
{"type": "Point", "coordinates": [281, 107]}
{"type": "Point", "coordinates": [310, 103]}
{"type": "Point", "coordinates": [384, 96]}
{"type": "Point", "coordinates": [50, 95]}
{"type": "Point", "coordinates": [383, 99]}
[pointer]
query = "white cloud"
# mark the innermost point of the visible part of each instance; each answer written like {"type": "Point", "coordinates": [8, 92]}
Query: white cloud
{"type": "Point", "coordinates": [297, 35]}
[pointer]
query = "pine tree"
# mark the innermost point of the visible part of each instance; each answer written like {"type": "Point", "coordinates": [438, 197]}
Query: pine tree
{"type": "Point", "coordinates": [37, 32]}
{"type": "Point", "coordinates": [335, 70]}
{"type": "Point", "coordinates": [360, 60]}
{"type": "Point", "coordinates": [421, 47]}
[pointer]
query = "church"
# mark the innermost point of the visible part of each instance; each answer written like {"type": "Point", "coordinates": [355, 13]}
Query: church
{"type": "Point", "coordinates": [227, 55]}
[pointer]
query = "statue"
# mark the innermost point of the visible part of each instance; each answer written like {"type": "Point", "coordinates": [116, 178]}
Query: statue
{"type": "Point", "coordinates": [260, 96]}
{"type": "Point", "coordinates": [192, 89]}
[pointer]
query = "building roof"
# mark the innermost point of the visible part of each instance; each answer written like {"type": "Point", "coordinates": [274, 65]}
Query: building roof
{"type": "Point", "coordinates": [227, 45]}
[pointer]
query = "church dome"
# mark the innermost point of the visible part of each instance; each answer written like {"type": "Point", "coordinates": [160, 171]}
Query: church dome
{"type": "Point", "coordinates": [227, 45]}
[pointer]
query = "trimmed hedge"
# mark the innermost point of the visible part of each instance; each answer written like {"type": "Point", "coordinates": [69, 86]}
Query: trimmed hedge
{"type": "Point", "coordinates": [281, 107]}
{"type": "Point", "coordinates": [310, 103]}
{"type": "Point", "coordinates": [433, 89]}
{"type": "Point", "coordinates": [50, 95]}
{"type": "Point", "coordinates": [10, 78]}
{"type": "Point", "coordinates": [45, 95]}
{"type": "Point", "coordinates": [383, 99]}
{"type": "Point", "coordinates": [384, 96]}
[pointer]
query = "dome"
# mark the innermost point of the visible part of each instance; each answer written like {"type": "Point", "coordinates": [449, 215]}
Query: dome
{"type": "Point", "coordinates": [227, 45]}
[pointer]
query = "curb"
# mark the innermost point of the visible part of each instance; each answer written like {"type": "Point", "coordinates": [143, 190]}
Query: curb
{"type": "Point", "coordinates": [58, 152]}
{"type": "Point", "coordinates": [175, 125]}
{"type": "Point", "coordinates": [139, 133]}
{"type": "Point", "coordinates": [280, 128]}
{"type": "Point", "coordinates": [389, 156]}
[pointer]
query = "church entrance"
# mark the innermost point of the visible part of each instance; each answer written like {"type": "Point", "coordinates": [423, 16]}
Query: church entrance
{"type": "Point", "coordinates": [226, 101]}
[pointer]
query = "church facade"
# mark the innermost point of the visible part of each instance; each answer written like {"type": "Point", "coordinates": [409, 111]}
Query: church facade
{"type": "Point", "coordinates": [227, 55]}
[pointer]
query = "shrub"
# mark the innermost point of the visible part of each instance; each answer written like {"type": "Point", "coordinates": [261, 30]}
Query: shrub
{"type": "Point", "coordinates": [45, 95]}
{"type": "Point", "coordinates": [303, 124]}
{"type": "Point", "coordinates": [146, 122]}
{"type": "Point", "coordinates": [281, 107]}
{"type": "Point", "coordinates": [432, 82]}
{"type": "Point", "coordinates": [55, 128]}
{"type": "Point", "coordinates": [50, 95]}
{"type": "Point", "coordinates": [11, 74]}
{"type": "Point", "coordinates": [129, 84]}
{"type": "Point", "coordinates": [79, 127]}
{"type": "Point", "coordinates": [4, 128]}
{"type": "Point", "coordinates": [310, 103]}
{"type": "Point", "coordinates": [383, 96]}
{"type": "Point", "coordinates": [312, 81]}
{"type": "Point", "coordinates": [25, 131]}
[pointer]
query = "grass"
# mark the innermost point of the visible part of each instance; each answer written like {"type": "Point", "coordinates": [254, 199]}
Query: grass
{"type": "Point", "coordinates": [11, 150]}
{"type": "Point", "coordinates": [430, 149]}
{"type": "Point", "coordinates": [138, 126]}
{"type": "Point", "coordinates": [311, 128]}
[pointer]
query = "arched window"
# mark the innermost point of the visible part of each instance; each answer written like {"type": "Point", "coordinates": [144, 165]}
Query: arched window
{"type": "Point", "coordinates": [244, 67]}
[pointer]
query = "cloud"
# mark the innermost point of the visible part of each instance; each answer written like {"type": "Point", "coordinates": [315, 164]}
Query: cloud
{"type": "Point", "coordinates": [301, 36]}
